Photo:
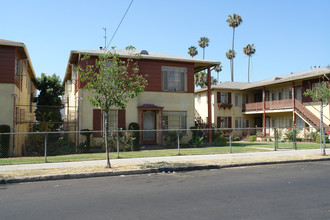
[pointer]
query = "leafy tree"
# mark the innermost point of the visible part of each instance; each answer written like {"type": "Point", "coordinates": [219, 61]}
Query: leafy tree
{"type": "Point", "coordinates": [230, 56]}
{"type": "Point", "coordinates": [218, 69]}
{"type": "Point", "coordinates": [49, 103]}
{"type": "Point", "coordinates": [249, 51]}
{"type": "Point", "coordinates": [113, 82]}
{"type": "Point", "coordinates": [233, 21]}
{"type": "Point", "coordinates": [320, 94]}
{"type": "Point", "coordinates": [192, 51]}
{"type": "Point", "coordinates": [201, 79]}
{"type": "Point", "coordinates": [203, 42]}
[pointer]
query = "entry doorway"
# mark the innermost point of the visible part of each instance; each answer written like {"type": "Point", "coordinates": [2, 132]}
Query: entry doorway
{"type": "Point", "coordinates": [149, 123]}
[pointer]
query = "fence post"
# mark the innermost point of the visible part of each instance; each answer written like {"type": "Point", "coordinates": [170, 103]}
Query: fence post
{"type": "Point", "coordinates": [230, 140]}
{"type": "Point", "coordinates": [294, 139]}
{"type": "Point", "coordinates": [46, 147]}
{"type": "Point", "coordinates": [117, 144]}
{"type": "Point", "coordinates": [178, 142]}
{"type": "Point", "coordinates": [275, 134]}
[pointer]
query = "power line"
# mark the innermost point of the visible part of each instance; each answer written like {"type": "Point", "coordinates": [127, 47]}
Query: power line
{"type": "Point", "coordinates": [120, 23]}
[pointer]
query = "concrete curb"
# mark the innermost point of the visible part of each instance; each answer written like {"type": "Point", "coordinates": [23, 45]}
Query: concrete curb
{"type": "Point", "coordinates": [144, 171]}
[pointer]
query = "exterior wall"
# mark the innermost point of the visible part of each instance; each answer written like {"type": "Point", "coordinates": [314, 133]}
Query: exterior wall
{"type": "Point", "coordinates": [314, 107]}
{"type": "Point", "coordinates": [201, 106]}
{"type": "Point", "coordinates": [183, 102]}
{"type": "Point", "coordinates": [7, 64]}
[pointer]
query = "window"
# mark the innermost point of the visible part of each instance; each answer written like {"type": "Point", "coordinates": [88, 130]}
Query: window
{"type": "Point", "coordinates": [22, 115]}
{"type": "Point", "coordinates": [224, 97]}
{"type": "Point", "coordinates": [241, 123]}
{"type": "Point", "coordinates": [245, 98]}
{"type": "Point", "coordinates": [274, 95]}
{"type": "Point", "coordinates": [280, 94]}
{"type": "Point", "coordinates": [174, 120]}
{"type": "Point", "coordinates": [238, 122]}
{"type": "Point", "coordinates": [112, 120]}
{"type": "Point", "coordinates": [174, 79]}
{"type": "Point", "coordinates": [282, 122]}
{"type": "Point", "coordinates": [238, 99]}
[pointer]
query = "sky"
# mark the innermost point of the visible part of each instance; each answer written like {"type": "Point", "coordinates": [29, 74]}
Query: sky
{"type": "Point", "coordinates": [289, 36]}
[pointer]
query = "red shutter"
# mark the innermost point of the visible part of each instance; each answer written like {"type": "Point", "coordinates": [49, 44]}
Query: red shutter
{"type": "Point", "coordinates": [229, 98]}
{"type": "Point", "coordinates": [122, 119]}
{"type": "Point", "coordinates": [97, 122]}
{"type": "Point", "coordinates": [218, 97]}
{"type": "Point", "coordinates": [218, 122]}
{"type": "Point", "coordinates": [229, 122]}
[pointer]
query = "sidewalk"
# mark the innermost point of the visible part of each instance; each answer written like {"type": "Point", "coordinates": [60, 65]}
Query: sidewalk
{"type": "Point", "coordinates": [144, 160]}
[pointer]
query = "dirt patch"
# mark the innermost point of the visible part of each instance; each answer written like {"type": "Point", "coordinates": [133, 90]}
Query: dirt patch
{"type": "Point", "coordinates": [163, 164]}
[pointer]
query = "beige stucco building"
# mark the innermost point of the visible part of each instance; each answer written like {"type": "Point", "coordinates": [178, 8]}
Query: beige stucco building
{"type": "Point", "coordinates": [277, 102]}
{"type": "Point", "coordinates": [166, 103]}
{"type": "Point", "coordinates": [17, 92]}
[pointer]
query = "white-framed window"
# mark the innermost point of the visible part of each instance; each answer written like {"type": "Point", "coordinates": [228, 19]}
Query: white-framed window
{"type": "Point", "coordinates": [238, 99]}
{"type": "Point", "coordinates": [174, 79]}
{"type": "Point", "coordinates": [224, 122]}
{"type": "Point", "coordinates": [112, 120]}
{"type": "Point", "coordinates": [282, 121]}
{"type": "Point", "coordinates": [174, 120]}
{"type": "Point", "coordinates": [241, 122]}
{"type": "Point", "coordinates": [224, 98]}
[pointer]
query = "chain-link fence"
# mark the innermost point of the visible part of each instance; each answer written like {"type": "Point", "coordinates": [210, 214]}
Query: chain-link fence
{"type": "Point", "coordinates": [227, 140]}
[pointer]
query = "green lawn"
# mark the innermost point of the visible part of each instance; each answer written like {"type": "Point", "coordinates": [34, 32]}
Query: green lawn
{"type": "Point", "coordinates": [237, 147]}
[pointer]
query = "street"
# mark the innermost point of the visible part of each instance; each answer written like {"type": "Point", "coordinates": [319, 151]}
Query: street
{"type": "Point", "coordinates": [286, 191]}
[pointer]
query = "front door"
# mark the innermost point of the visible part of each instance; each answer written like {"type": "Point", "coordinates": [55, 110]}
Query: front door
{"type": "Point", "coordinates": [267, 126]}
{"type": "Point", "coordinates": [149, 118]}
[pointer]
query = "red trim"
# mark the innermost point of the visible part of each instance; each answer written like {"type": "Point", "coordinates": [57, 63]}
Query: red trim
{"type": "Point", "coordinates": [218, 97]}
{"type": "Point", "coordinates": [229, 97]}
{"type": "Point", "coordinates": [97, 122]}
{"type": "Point", "coordinates": [122, 119]}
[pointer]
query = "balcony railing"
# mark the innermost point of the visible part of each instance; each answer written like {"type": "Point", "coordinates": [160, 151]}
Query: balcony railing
{"type": "Point", "coordinates": [270, 105]}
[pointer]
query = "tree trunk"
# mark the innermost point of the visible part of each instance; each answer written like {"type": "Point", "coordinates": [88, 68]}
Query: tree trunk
{"type": "Point", "coordinates": [249, 70]}
{"type": "Point", "coordinates": [203, 52]}
{"type": "Point", "coordinates": [105, 131]}
{"type": "Point", "coordinates": [232, 60]}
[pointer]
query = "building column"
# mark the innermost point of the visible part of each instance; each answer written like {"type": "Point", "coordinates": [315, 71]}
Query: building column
{"type": "Point", "coordinates": [209, 106]}
{"type": "Point", "coordinates": [293, 105]}
{"type": "Point", "coordinates": [264, 108]}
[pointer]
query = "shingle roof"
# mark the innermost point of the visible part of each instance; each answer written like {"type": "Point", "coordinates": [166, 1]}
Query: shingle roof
{"type": "Point", "coordinates": [199, 64]}
{"type": "Point", "coordinates": [276, 80]}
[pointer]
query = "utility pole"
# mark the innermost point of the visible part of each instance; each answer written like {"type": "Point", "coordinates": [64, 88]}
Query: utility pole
{"type": "Point", "coordinates": [105, 38]}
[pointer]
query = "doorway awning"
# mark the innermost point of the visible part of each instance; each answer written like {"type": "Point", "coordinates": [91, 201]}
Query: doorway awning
{"type": "Point", "coordinates": [150, 107]}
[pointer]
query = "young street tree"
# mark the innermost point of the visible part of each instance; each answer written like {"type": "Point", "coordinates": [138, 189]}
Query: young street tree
{"type": "Point", "coordinates": [49, 103]}
{"type": "Point", "coordinates": [192, 51]}
{"type": "Point", "coordinates": [320, 93]}
{"type": "Point", "coordinates": [233, 21]}
{"type": "Point", "coordinates": [249, 50]}
{"type": "Point", "coordinates": [113, 81]}
{"type": "Point", "coordinates": [203, 42]}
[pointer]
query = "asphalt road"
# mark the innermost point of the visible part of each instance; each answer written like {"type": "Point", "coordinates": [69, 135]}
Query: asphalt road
{"type": "Point", "coordinates": [287, 191]}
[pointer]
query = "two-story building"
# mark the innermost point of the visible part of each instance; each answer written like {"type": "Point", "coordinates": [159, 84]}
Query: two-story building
{"type": "Point", "coordinates": [166, 103]}
{"type": "Point", "coordinates": [17, 92]}
{"type": "Point", "coordinates": [276, 102]}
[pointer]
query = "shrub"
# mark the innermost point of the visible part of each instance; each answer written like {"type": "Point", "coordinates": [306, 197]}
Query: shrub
{"type": "Point", "coordinates": [252, 138]}
{"type": "Point", "coordinates": [4, 141]}
{"type": "Point", "coordinates": [171, 138]}
{"type": "Point", "coordinates": [136, 134]}
{"type": "Point", "coordinates": [61, 147]}
{"type": "Point", "coordinates": [237, 138]}
{"type": "Point", "coordinates": [196, 133]}
{"type": "Point", "coordinates": [317, 139]}
{"type": "Point", "coordinates": [220, 141]}
{"type": "Point", "coordinates": [199, 142]}
{"type": "Point", "coordinates": [126, 141]}
{"type": "Point", "coordinates": [289, 134]}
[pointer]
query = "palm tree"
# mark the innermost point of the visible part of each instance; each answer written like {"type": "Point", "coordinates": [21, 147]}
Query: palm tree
{"type": "Point", "coordinates": [218, 69]}
{"type": "Point", "coordinates": [192, 51]}
{"type": "Point", "coordinates": [201, 79]}
{"type": "Point", "coordinates": [249, 51]}
{"type": "Point", "coordinates": [203, 42]}
{"type": "Point", "coordinates": [233, 21]}
{"type": "Point", "coordinates": [230, 56]}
